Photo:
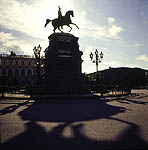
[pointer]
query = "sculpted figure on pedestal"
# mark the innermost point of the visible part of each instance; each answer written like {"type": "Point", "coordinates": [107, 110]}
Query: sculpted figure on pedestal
{"type": "Point", "coordinates": [62, 20]}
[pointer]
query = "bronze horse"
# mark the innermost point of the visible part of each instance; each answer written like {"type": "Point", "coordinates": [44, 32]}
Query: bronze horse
{"type": "Point", "coordinates": [64, 20]}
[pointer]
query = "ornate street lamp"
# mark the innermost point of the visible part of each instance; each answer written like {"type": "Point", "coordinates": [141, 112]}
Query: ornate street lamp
{"type": "Point", "coordinates": [96, 59]}
{"type": "Point", "coordinates": [37, 52]}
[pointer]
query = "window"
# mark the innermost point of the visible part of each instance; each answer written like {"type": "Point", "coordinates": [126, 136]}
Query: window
{"type": "Point", "coordinates": [23, 62]}
{"type": "Point", "coordinates": [34, 72]}
{"type": "Point", "coordinates": [4, 62]}
{"type": "Point", "coordinates": [29, 63]}
{"type": "Point", "coordinates": [3, 73]}
{"type": "Point", "coordinates": [22, 83]}
{"type": "Point", "coordinates": [23, 73]}
{"type": "Point", "coordinates": [10, 73]}
{"type": "Point", "coordinates": [17, 62]}
{"type": "Point", "coordinates": [29, 73]}
{"type": "Point", "coordinates": [16, 73]}
{"type": "Point", "coordinates": [10, 62]}
{"type": "Point", "coordinates": [29, 82]}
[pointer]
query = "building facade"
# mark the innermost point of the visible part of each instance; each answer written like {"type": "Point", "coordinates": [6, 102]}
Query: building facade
{"type": "Point", "coordinates": [18, 70]}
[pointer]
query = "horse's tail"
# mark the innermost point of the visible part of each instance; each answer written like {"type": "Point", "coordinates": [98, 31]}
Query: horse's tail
{"type": "Point", "coordinates": [47, 21]}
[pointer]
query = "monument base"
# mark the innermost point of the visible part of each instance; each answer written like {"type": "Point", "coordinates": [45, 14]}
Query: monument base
{"type": "Point", "coordinates": [63, 62]}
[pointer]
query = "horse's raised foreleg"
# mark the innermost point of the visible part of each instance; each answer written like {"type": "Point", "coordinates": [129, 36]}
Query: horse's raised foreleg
{"type": "Point", "coordinates": [60, 29]}
{"type": "Point", "coordinates": [54, 30]}
{"type": "Point", "coordinates": [75, 25]}
{"type": "Point", "coordinates": [70, 28]}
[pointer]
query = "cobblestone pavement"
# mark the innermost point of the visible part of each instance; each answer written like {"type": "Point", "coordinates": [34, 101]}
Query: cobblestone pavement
{"type": "Point", "coordinates": [103, 123]}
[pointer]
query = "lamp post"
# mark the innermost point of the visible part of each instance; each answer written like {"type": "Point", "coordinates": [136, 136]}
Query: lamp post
{"type": "Point", "coordinates": [146, 79]}
{"type": "Point", "coordinates": [37, 51]}
{"type": "Point", "coordinates": [96, 58]}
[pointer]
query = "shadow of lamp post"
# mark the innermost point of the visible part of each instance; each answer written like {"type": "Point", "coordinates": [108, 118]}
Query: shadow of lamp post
{"type": "Point", "coordinates": [97, 58]}
{"type": "Point", "coordinates": [37, 51]}
{"type": "Point", "coordinates": [146, 80]}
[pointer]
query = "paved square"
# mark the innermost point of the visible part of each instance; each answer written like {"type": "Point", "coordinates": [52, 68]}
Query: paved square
{"type": "Point", "coordinates": [112, 122]}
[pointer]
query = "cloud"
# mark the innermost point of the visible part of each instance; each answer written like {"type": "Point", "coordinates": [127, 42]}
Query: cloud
{"type": "Point", "coordinates": [114, 30]}
{"type": "Point", "coordinates": [6, 37]}
{"type": "Point", "coordinates": [7, 49]}
{"type": "Point", "coordinates": [5, 40]}
{"type": "Point", "coordinates": [142, 58]}
{"type": "Point", "coordinates": [136, 44]}
{"type": "Point", "coordinates": [106, 32]}
{"type": "Point", "coordinates": [9, 43]}
{"type": "Point", "coordinates": [83, 13]}
{"type": "Point", "coordinates": [111, 20]}
{"type": "Point", "coordinates": [110, 30]}
{"type": "Point", "coordinates": [25, 18]}
{"type": "Point", "coordinates": [112, 63]}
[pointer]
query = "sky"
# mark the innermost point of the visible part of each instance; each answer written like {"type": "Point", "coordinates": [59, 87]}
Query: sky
{"type": "Point", "coordinates": [118, 28]}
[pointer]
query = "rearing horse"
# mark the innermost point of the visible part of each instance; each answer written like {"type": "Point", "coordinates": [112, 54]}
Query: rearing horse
{"type": "Point", "coordinates": [64, 20]}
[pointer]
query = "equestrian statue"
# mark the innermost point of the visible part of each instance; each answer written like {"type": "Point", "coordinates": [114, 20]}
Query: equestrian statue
{"type": "Point", "coordinates": [62, 20]}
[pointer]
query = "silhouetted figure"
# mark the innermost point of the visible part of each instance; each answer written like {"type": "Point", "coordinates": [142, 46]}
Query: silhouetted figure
{"type": "Point", "coordinates": [62, 20]}
{"type": "Point", "coordinates": [59, 12]}
{"type": "Point", "coordinates": [60, 15]}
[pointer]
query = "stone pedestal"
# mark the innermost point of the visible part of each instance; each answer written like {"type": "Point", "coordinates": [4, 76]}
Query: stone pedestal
{"type": "Point", "coordinates": [63, 62]}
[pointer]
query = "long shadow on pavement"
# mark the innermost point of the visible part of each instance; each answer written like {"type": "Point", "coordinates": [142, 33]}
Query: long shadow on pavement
{"type": "Point", "coordinates": [70, 111]}
{"type": "Point", "coordinates": [12, 108]}
{"type": "Point", "coordinates": [35, 137]}
{"type": "Point", "coordinates": [129, 99]}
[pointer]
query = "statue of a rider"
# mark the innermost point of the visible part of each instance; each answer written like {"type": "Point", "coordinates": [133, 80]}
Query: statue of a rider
{"type": "Point", "coordinates": [61, 20]}
{"type": "Point", "coordinates": [59, 12]}
{"type": "Point", "coordinates": [60, 15]}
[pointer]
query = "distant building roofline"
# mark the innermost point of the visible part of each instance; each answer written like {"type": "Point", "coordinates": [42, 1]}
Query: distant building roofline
{"type": "Point", "coordinates": [17, 56]}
